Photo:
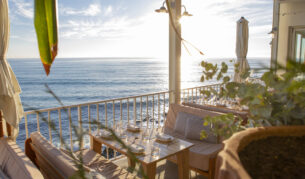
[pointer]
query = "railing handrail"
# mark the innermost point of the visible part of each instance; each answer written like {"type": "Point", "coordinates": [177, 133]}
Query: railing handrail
{"type": "Point", "coordinates": [94, 102]}
{"type": "Point", "coordinates": [110, 100]}
{"type": "Point", "coordinates": [153, 114]}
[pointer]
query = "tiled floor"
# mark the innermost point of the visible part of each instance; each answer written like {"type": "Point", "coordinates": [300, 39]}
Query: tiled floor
{"type": "Point", "coordinates": [165, 169]}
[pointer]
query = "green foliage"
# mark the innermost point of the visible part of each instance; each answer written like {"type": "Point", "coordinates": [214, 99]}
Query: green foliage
{"type": "Point", "coordinates": [45, 21]}
{"type": "Point", "coordinates": [277, 98]}
{"type": "Point", "coordinates": [224, 125]}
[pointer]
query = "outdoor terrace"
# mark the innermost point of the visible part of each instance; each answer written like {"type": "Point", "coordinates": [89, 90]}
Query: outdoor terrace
{"type": "Point", "coordinates": [149, 110]}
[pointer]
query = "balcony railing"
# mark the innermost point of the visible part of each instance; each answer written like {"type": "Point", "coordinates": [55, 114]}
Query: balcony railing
{"type": "Point", "coordinates": [144, 110]}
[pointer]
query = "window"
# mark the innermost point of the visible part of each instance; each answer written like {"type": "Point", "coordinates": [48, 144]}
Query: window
{"type": "Point", "coordinates": [297, 44]}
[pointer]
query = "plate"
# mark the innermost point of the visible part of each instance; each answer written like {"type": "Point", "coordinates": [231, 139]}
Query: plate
{"type": "Point", "coordinates": [133, 128]}
{"type": "Point", "coordinates": [164, 138]}
{"type": "Point", "coordinates": [137, 149]}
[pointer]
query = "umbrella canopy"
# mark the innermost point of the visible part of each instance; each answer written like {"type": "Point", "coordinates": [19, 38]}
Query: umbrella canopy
{"type": "Point", "coordinates": [242, 36]}
{"type": "Point", "coordinates": [10, 102]}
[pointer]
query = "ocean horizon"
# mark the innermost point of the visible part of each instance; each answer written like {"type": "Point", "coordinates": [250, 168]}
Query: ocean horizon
{"type": "Point", "coordinates": [80, 80]}
{"type": "Point", "coordinates": [77, 80]}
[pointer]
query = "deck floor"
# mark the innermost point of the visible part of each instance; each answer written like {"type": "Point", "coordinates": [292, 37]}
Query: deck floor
{"type": "Point", "coordinates": [165, 169]}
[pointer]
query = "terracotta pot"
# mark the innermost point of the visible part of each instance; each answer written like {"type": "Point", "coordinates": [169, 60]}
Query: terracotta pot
{"type": "Point", "coordinates": [228, 164]}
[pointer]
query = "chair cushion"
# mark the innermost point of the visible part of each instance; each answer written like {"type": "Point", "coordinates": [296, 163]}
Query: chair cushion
{"type": "Point", "coordinates": [242, 114]}
{"type": "Point", "coordinates": [194, 127]}
{"type": "Point", "coordinates": [174, 110]}
{"type": "Point", "coordinates": [2, 174]}
{"type": "Point", "coordinates": [200, 153]}
{"type": "Point", "coordinates": [57, 158]}
{"type": "Point", "coordinates": [181, 121]}
{"type": "Point", "coordinates": [14, 163]}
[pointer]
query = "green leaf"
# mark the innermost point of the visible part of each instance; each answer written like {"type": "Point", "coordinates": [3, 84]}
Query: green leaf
{"type": "Point", "coordinates": [205, 123]}
{"type": "Point", "coordinates": [226, 79]}
{"type": "Point", "coordinates": [45, 20]}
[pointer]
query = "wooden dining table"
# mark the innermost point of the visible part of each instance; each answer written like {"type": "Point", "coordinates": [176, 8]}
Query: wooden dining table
{"type": "Point", "coordinates": [154, 151]}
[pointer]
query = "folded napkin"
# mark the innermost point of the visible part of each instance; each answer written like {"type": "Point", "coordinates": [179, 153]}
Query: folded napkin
{"type": "Point", "coordinates": [133, 128]}
{"type": "Point", "coordinates": [244, 108]}
{"type": "Point", "coordinates": [137, 149]}
{"type": "Point", "coordinates": [164, 137]}
{"type": "Point", "coordinates": [220, 105]}
{"type": "Point", "coordinates": [104, 134]}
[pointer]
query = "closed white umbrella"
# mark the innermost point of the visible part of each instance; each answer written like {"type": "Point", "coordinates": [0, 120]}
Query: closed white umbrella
{"type": "Point", "coordinates": [242, 36]}
{"type": "Point", "coordinates": [10, 102]}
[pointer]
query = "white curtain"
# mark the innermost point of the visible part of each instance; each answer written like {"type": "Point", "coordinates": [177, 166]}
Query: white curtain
{"type": "Point", "coordinates": [10, 102]}
{"type": "Point", "coordinates": [242, 36]}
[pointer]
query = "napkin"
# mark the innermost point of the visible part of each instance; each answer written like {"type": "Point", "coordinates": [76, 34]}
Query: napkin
{"type": "Point", "coordinates": [137, 149]}
{"type": "Point", "coordinates": [104, 134]}
{"type": "Point", "coordinates": [133, 128]}
{"type": "Point", "coordinates": [164, 137]}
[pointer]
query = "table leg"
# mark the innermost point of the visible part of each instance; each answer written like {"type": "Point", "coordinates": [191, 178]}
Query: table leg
{"type": "Point", "coordinates": [95, 145]}
{"type": "Point", "coordinates": [183, 164]}
{"type": "Point", "coordinates": [131, 163]}
{"type": "Point", "coordinates": [150, 170]}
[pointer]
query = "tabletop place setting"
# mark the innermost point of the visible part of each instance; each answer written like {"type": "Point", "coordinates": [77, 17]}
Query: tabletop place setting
{"type": "Point", "coordinates": [141, 141]}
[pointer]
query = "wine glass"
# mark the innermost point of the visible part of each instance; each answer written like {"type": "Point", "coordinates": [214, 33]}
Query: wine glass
{"type": "Point", "coordinates": [155, 150]}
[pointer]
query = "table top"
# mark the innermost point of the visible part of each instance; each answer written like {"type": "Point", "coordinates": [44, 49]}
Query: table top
{"type": "Point", "coordinates": [153, 151]}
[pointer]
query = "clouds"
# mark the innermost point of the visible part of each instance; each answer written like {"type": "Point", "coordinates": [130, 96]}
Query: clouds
{"type": "Point", "coordinates": [108, 29]}
{"type": "Point", "coordinates": [92, 10]}
{"type": "Point", "coordinates": [133, 27]}
{"type": "Point", "coordinates": [24, 9]}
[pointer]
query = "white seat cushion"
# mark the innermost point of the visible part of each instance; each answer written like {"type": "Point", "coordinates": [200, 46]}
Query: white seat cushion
{"type": "Point", "coordinates": [14, 163]}
{"type": "Point", "coordinates": [200, 153]}
{"type": "Point", "coordinates": [195, 126]}
{"type": "Point", "coordinates": [181, 121]}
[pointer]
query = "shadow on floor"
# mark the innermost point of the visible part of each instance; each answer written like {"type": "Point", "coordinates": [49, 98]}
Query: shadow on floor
{"type": "Point", "coordinates": [165, 169]}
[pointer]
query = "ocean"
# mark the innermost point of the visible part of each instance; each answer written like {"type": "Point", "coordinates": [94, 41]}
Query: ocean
{"type": "Point", "coordinates": [80, 80]}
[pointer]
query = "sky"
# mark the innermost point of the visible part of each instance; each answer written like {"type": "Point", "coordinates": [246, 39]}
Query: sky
{"type": "Point", "coordinates": [131, 28]}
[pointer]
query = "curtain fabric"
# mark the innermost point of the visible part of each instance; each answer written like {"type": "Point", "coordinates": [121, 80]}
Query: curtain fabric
{"type": "Point", "coordinates": [10, 102]}
{"type": "Point", "coordinates": [242, 36]}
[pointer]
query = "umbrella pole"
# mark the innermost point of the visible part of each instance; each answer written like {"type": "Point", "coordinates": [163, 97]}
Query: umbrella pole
{"type": "Point", "coordinates": [1, 125]}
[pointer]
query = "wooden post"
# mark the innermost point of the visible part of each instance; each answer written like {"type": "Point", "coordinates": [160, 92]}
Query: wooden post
{"type": "Point", "coordinates": [8, 129]}
{"type": "Point", "coordinates": [183, 164]}
{"type": "Point", "coordinates": [150, 170]}
{"type": "Point", "coordinates": [95, 145]}
{"type": "Point", "coordinates": [175, 53]}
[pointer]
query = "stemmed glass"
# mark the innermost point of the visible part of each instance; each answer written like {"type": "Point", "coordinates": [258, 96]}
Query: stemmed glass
{"type": "Point", "coordinates": [120, 129]}
{"type": "Point", "coordinates": [155, 150]}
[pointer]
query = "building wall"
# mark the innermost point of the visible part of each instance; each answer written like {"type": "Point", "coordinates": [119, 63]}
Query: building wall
{"type": "Point", "coordinates": [290, 14]}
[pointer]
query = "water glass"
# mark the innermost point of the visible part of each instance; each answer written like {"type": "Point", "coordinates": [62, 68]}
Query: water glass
{"type": "Point", "coordinates": [155, 151]}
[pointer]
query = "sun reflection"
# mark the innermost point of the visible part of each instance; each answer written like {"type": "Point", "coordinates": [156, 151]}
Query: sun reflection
{"type": "Point", "coordinates": [190, 71]}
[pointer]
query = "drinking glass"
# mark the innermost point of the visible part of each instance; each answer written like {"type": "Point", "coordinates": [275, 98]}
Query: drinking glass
{"type": "Point", "coordinates": [121, 128]}
{"type": "Point", "coordinates": [155, 151]}
{"type": "Point", "coordinates": [146, 135]}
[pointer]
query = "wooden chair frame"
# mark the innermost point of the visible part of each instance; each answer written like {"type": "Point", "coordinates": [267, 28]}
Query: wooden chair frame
{"type": "Point", "coordinates": [47, 168]}
{"type": "Point", "coordinates": [210, 173]}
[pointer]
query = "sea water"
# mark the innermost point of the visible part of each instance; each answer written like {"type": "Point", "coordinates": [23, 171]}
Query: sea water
{"type": "Point", "coordinates": [80, 80]}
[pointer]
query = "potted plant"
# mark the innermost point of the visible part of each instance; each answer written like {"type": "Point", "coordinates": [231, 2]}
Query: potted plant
{"type": "Point", "coordinates": [270, 144]}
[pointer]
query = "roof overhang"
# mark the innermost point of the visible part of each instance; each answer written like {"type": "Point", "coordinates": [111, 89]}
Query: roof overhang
{"type": "Point", "coordinates": [291, 1]}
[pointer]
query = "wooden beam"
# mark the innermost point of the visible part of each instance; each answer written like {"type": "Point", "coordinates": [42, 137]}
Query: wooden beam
{"type": "Point", "coordinates": [175, 53]}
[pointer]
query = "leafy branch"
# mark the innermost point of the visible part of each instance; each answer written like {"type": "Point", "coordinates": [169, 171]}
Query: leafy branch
{"type": "Point", "coordinates": [276, 99]}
